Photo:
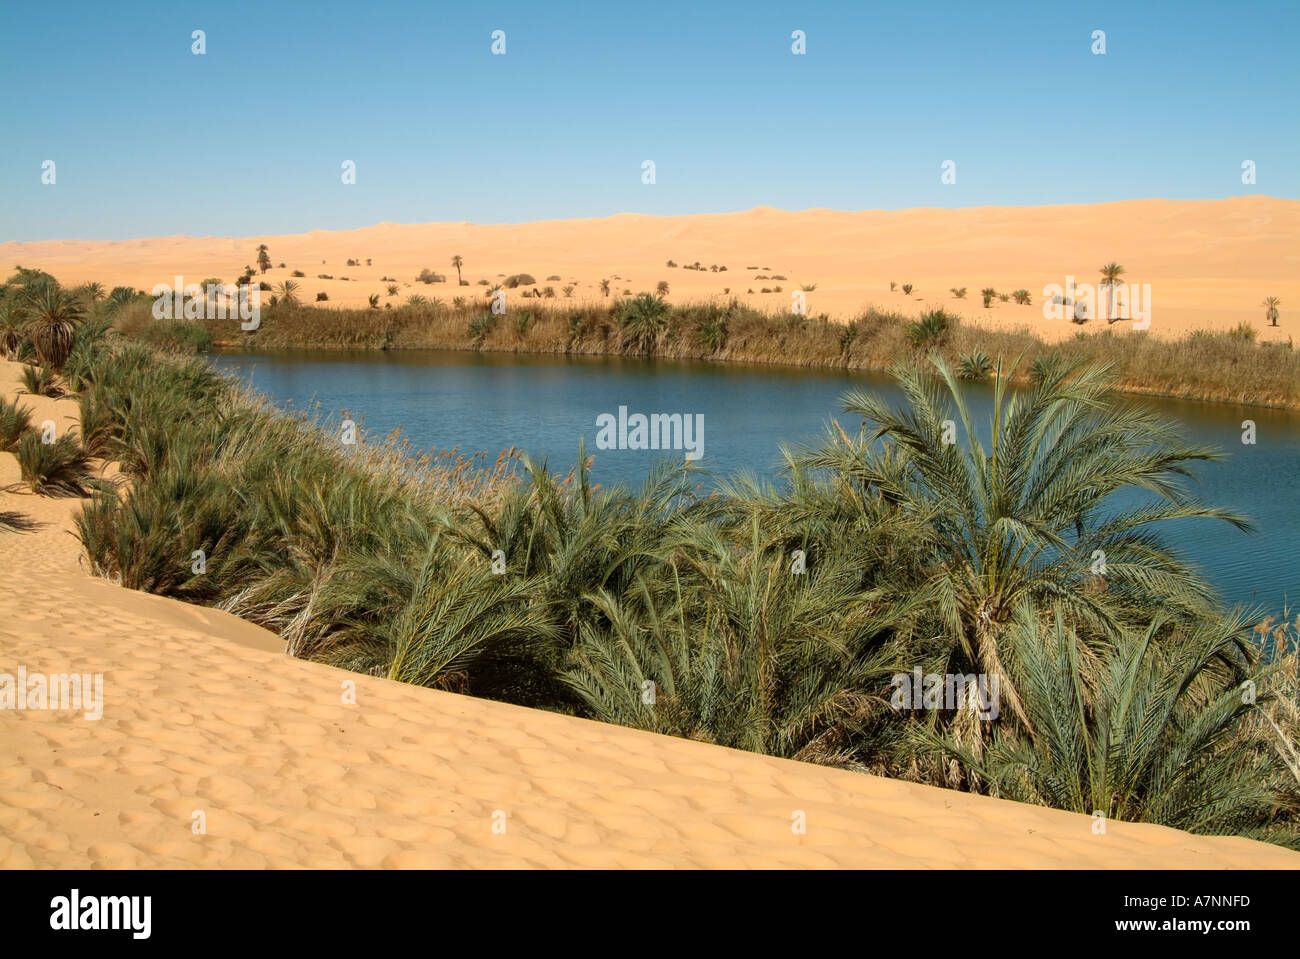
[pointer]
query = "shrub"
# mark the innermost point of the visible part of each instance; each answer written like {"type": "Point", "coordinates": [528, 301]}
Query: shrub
{"type": "Point", "coordinates": [931, 330]}
{"type": "Point", "coordinates": [907, 289]}
{"type": "Point", "coordinates": [975, 366]}
{"type": "Point", "coordinates": [518, 279]}
{"type": "Point", "coordinates": [61, 468]}
{"type": "Point", "coordinates": [15, 420]}
{"type": "Point", "coordinates": [41, 381]}
{"type": "Point", "coordinates": [322, 296]}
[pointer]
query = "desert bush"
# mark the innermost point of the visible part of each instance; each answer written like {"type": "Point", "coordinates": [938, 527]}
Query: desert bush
{"type": "Point", "coordinates": [61, 468]}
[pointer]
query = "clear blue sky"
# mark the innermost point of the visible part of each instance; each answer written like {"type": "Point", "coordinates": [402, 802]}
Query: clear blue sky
{"type": "Point", "coordinates": [151, 140]}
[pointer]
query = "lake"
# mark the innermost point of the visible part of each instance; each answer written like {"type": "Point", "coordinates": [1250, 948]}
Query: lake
{"type": "Point", "coordinates": [545, 404]}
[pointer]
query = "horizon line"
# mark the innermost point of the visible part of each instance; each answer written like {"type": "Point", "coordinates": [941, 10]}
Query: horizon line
{"type": "Point", "coordinates": [761, 208]}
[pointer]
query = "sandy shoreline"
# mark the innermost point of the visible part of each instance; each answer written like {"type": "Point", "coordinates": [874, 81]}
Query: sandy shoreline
{"type": "Point", "coordinates": [1209, 263]}
{"type": "Point", "coordinates": [204, 714]}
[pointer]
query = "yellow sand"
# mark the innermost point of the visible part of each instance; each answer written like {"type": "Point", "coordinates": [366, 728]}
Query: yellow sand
{"type": "Point", "coordinates": [204, 714]}
{"type": "Point", "coordinates": [1210, 263]}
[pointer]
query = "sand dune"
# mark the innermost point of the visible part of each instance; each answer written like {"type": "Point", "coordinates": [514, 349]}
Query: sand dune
{"type": "Point", "coordinates": [1209, 262]}
{"type": "Point", "coordinates": [204, 714]}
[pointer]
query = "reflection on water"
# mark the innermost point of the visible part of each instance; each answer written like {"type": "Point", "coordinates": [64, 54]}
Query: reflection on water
{"type": "Point", "coordinates": [545, 404]}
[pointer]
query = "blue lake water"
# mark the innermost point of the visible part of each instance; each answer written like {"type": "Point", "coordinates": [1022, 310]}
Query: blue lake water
{"type": "Point", "coordinates": [545, 404]}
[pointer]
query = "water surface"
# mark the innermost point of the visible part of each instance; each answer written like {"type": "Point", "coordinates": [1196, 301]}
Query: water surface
{"type": "Point", "coordinates": [545, 404]}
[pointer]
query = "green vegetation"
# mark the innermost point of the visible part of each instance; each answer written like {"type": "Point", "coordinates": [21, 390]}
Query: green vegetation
{"type": "Point", "coordinates": [60, 468]}
{"type": "Point", "coordinates": [768, 617]}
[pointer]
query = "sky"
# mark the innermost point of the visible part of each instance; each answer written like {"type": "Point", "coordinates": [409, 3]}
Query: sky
{"type": "Point", "coordinates": [149, 139]}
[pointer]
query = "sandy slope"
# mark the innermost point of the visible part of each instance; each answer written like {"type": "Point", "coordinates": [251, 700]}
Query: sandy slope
{"type": "Point", "coordinates": [1209, 262]}
{"type": "Point", "coordinates": [205, 714]}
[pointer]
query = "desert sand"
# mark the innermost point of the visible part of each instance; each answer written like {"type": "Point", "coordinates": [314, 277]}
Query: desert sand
{"type": "Point", "coordinates": [1210, 263]}
{"type": "Point", "coordinates": [204, 714]}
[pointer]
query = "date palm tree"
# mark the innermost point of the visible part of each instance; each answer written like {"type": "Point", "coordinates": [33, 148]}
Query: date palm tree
{"type": "Point", "coordinates": [1110, 275]}
{"type": "Point", "coordinates": [1156, 729]}
{"type": "Point", "coordinates": [1033, 515]}
{"type": "Point", "coordinates": [1270, 304]}
{"type": "Point", "coordinates": [263, 258]}
{"type": "Point", "coordinates": [457, 262]}
{"type": "Point", "coordinates": [288, 291]}
{"type": "Point", "coordinates": [52, 318]}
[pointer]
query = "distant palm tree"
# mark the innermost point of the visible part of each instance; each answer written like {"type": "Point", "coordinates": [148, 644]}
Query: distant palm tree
{"type": "Point", "coordinates": [662, 288]}
{"type": "Point", "coordinates": [604, 287]}
{"type": "Point", "coordinates": [289, 293]}
{"type": "Point", "coordinates": [988, 293]}
{"type": "Point", "coordinates": [644, 320]}
{"type": "Point", "coordinates": [1271, 303]}
{"type": "Point", "coordinates": [94, 292]}
{"type": "Point", "coordinates": [52, 318]}
{"type": "Point", "coordinates": [457, 262]}
{"type": "Point", "coordinates": [263, 258]}
{"type": "Point", "coordinates": [1110, 274]}
{"type": "Point", "coordinates": [1021, 297]}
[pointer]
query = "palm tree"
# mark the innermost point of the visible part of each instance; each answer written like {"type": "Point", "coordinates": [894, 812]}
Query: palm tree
{"type": "Point", "coordinates": [604, 287]}
{"type": "Point", "coordinates": [457, 262]}
{"type": "Point", "coordinates": [11, 329]}
{"type": "Point", "coordinates": [288, 291]}
{"type": "Point", "coordinates": [644, 320]}
{"type": "Point", "coordinates": [1156, 729]}
{"type": "Point", "coordinates": [1271, 303]}
{"type": "Point", "coordinates": [52, 318]}
{"type": "Point", "coordinates": [1026, 518]}
{"type": "Point", "coordinates": [263, 258]}
{"type": "Point", "coordinates": [988, 293]}
{"type": "Point", "coordinates": [1110, 274]}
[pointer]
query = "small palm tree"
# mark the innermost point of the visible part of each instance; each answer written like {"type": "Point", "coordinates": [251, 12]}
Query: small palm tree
{"type": "Point", "coordinates": [1271, 303]}
{"type": "Point", "coordinates": [52, 318]}
{"type": "Point", "coordinates": [930, 330]}
{"type": "Point", "coordinates": [263, 258]}
{"type": "Point", "coordinates": [988, 293]}
{"type": "Point", "coordinates": [604, 287]}
{"type": "Point", "coordinates": [288, 293]}
{"type": "Point", "coordinates": [1110, 274]}
{"type": "Point", "coordinates": [661, 288]}
{"type": "Point", "coordinates": [644, 320]}
{"type": "Point", "coordinates": [457, 262]}
{"type": "Point", "coordinates": [1151, 730]}
{"type": "Point", "coordinates": [1021, 297]}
